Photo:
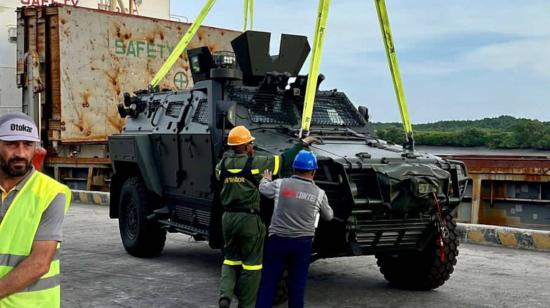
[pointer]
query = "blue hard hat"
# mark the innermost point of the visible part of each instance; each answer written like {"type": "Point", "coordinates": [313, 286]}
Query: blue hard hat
{"type": "Point", "coordinates": [305, 160]}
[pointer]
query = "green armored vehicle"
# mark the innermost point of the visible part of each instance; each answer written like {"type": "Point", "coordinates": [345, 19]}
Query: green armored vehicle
{"type": "Point", "coordinates": [389, 202]}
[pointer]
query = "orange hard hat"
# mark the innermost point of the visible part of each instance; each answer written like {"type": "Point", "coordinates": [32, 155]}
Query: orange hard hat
{"type": "Point", "coordinates": [239, 135]}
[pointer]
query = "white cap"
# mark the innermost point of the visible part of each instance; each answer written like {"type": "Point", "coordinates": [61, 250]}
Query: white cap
{"type": "Point", "coordinates": [17, 126]}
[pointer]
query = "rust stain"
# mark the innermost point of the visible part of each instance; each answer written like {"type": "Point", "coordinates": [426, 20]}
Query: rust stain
{"type": "Point", "coordinates": [117, 31]}
{"type": "Point", "coordinates": [85, 99]}
{"type": "Point", "coordinates": [200, 34]}
{"type": "Point", "coordinates": [214, 47]}
{"type": "Point", "coordinates": [79, 124]}
{"type": "Point", "coordinates": [88, 113]}
{"type": "Point", "coordinates": [150, 38]}
{"type": "Point", "coordinates": [122, 33]}
{"type": "Point", "coordinates": [113, 78]}
{"type": "Point", "coordinates": [116, 122]}
{"type": "Point", "coordinates": [497, 217]}
{"type": "Point", "coordinates": [150, 69]}
{"type": "Point", "coordinates": [497, 164]}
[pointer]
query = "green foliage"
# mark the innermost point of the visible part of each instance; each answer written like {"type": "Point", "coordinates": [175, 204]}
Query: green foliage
{"type": "Point", "coordinates": [392, 134]}
{"type": "Point", "coordinates": [504, 132]}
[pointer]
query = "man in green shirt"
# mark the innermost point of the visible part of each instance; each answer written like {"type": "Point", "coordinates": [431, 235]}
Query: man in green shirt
{"type": "Point", "coordinates": [243, 230]}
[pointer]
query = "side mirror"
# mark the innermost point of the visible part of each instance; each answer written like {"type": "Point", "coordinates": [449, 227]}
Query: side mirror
{"type": "Point", "coordinates": [364, 111]}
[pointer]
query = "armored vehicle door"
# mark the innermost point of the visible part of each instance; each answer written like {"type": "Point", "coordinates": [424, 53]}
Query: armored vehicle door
{"type": "Point", "coordinates": [182, 146]}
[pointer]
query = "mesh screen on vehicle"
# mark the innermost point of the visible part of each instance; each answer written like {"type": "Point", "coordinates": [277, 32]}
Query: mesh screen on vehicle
{"type": "Point", "coordinates": [335, 109]}
{"type": "Point", "coordinates": [201, 113]}
{"type": "Point", "coordinates": [174, 109]}
{"type": "Point", "coordinates": [330, 109]}
{"type": "Point", "coordinates": [266, 108]}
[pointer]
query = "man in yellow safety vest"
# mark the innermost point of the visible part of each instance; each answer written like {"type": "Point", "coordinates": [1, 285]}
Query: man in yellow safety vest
{"type": "Point", "coordinates": [32, 208]}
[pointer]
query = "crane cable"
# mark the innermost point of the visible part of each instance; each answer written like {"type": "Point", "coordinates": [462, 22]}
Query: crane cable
{"type": "Point", "coordinates": [311, 87]}
{"type": "Point", "coordinates": [180, 47]}
{"type": "Point", "coordinates": [394, 69]}
{"type": "Point", "coordinates": [248, 11]}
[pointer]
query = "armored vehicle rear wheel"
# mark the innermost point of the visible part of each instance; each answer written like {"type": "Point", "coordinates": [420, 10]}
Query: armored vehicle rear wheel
{"type": "Point", "coordinates": [422, 270]}
{"type": "Point", "coordinates": [140, 237]}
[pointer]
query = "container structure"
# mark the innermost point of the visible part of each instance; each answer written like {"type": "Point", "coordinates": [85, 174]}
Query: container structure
{"type": "Point", "coordinates": [74, 64]}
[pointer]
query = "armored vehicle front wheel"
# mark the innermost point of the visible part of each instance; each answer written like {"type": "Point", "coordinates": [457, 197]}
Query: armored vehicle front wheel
{"type": "Point", "coordinates": [422, 270]}
{"type": "Point", "coordinates": [141, 237]}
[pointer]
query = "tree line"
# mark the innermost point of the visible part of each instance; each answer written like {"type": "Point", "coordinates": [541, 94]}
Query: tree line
{"type": "Point", "coordinates": [504, 132]}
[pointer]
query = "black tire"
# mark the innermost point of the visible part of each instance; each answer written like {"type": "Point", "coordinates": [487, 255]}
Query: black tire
{"type": "Point", "coordinates": [421, 270]}
{"type": "Point", "coordinates": [141, 237]}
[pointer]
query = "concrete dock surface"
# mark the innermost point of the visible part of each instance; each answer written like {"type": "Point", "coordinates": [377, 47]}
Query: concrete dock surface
{"type": "Point", "coordinates": [97, 272]}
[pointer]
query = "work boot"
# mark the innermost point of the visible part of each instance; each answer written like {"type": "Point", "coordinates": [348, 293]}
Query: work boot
{"type": "Point", "coordinates": [225, 302]}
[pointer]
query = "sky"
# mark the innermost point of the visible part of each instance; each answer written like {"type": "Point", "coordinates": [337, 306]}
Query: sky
{"type": "Point", "coordinates": [459, 60]}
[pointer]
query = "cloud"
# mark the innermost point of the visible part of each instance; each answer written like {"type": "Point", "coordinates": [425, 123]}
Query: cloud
{"type": "Point", "coordinates": [465, 59]}
{"type": "Point", "coordinates": [527, 54]}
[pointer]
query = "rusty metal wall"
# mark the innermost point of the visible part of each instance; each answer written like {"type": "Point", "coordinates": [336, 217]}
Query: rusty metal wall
{"type": "Point", "coordinates": [508, 191]}
{"type": "Point", "coordinates": [97, 56]}
{"type": "Point", "coordinates": [104, 55]}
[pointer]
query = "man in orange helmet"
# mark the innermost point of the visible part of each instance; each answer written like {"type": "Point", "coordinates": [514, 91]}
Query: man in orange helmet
{"type": "Point", "coordinates": [243, 230]}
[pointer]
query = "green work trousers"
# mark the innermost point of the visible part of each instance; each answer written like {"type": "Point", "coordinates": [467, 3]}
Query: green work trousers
{"type": "Point", "coordinates": [243, 234]}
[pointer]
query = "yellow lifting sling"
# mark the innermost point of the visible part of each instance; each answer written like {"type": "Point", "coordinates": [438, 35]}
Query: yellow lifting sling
{"type": "Point", "coordinates": [180, 48]}
{"type": "Point", "coordinates": [311, 87]}
{"type": "Point", "coordinates": [248, 11]}
{"type": "Point", "coordinates": [394, 69]}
